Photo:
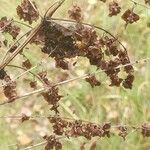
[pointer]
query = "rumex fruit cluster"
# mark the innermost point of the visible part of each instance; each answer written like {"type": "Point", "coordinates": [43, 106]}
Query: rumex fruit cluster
{"type": "Point", "coordinates": [7, 26]}
{"type": "Point", "coordinates": [27, 11]}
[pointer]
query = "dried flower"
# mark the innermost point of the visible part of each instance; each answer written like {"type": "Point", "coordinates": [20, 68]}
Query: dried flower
{"type": "Point", "coordinates": [77, 128]}
{"type": "Point", "coordinates": [123, 132]}
{"type": "Point", "coordinates": [2, 74]}
{"type": "Point", "coordinates": [33, 84]}
{"type": "Point", "coordinates": [114, 8]}
{"type": "Point", "coordinates": [147, 2]}
{"type": "Point", "coordinates": [75, 13]}
{"type": "Point", "coordinates": [93, 81]}
{"type": "Point", "coordinates": [130, 17]}
{"type": "Point", "coordinates": [27, 11]}
{"type": "Point", "coordinates": [27, 64]}
{"type": "Point", "coordinates": [62, 64]}
{"type": "Point", "coordinates": [24, 117]}
{"type": "Point", "coordinates": [127, 83]}
{"type": "Point", "coordinates": [10, 89]}
{"type": "Point", "coordinates": [52, 143]}
{"type": "Point", "coordinates": [146, 130]}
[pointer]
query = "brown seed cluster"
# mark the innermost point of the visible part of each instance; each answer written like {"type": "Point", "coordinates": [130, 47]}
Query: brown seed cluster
{"type": "Point", "coordinates": [33, 84]}
{"type": "Point", "coordinates": [130, 17]}
{"type": "Point", "coordinates": [93, 81]}
{"type": "Point", "coordinates": [62, 43]}
{"type": "Point", "coordinates": [52, 94]}
{"type": "Point", "coordinates": [2, 74]}
{"type": "Point", "coordinates": [103, 0]}
{"type": "Point", "coordinates": [52, 143]}
{"type": "Point", "coordinates": [27, 64]}
{"type": "Point", "coordinates": [60, 63]}
{"type": "Point", "coordinates": [27, 11]}
{"type": "Point", "coordinates": [147, 2]}
{"type": "Point", "coordinates": [7, 26]}
{"type": "Point", "coordinates": [24, 118]}
{"type": "Point", "coordinates": [75, 13]}
{"type": "Point", "coordinates": [10, 89]}
{"type": "Point", "coordinates": [123, 132]}
{"type": "Point", "coordinates": [114, 8]}
{"type": "Point", "coordinates": [146, 130]}
{"type": "Point", "coordinates": [79, 128]}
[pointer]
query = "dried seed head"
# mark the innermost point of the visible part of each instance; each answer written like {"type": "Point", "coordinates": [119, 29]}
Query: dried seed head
{"type": "Point", "coordinates": [27, 64]}
{"type": "Point", "coordinates": [2, 74]}
{"type": "Point", "coordinates": [75, 13]}
{"type": "Point", "coordinates": [27, 12]}
{"type": "Point", "coordinates": [93, 81]}
{"type": "Point", "coordinates": [24, 118]}
{"type": "Point", "coordinates": [147, 2]}
{"type": "Point", "coordinates": [10, 89]}
{"type": "Point", "coordinates": [130, 17]}
{"type": "Point", "coordinates": [7, 26]}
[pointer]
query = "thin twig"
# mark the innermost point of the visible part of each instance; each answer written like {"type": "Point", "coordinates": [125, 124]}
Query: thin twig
{"type": "Point", "coordinates": [71, 119]}
{"type": "Point", "coordinates": [24, 24]}
{"type": "Point", "coordinates": [34, 146]}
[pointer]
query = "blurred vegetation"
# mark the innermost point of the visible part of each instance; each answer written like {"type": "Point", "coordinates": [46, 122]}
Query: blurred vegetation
{"type": "Point", "coordinates": [99, 104]}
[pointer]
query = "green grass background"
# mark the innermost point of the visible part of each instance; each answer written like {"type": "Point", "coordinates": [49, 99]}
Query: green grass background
{"type": "Point", "coordinates": [99, 104]}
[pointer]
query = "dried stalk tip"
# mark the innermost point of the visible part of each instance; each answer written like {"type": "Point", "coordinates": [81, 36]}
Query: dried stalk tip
{"type": "Point", "coordinates": [147, 2]}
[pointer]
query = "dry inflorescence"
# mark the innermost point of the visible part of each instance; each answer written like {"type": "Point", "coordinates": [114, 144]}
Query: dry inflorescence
{"type": "Point", "coordinates": [7, 26]}
{"type": "Point", "coordinates": [62, 43]}
{"type": "Point", "coordinates": [27, 11]}
{"type": "Point", "coordinates": [9, 89]}
{"type": "Point", "coordinates": [78, 128]}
